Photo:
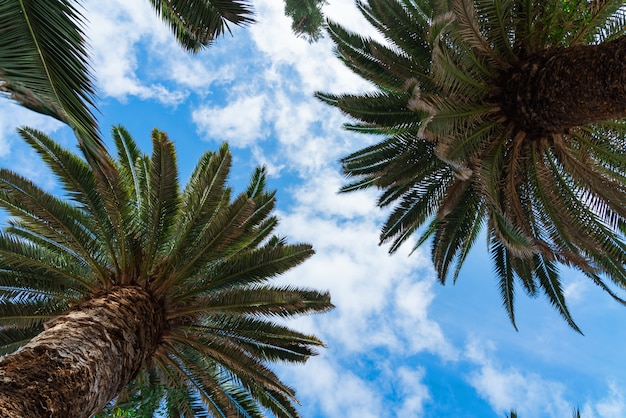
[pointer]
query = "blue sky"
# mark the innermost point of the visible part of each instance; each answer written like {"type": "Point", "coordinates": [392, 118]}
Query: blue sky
{"type": "Point", "coordinates": [399, 344]}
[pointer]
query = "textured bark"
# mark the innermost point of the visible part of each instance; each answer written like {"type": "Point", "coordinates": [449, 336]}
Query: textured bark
{"type": "Point", "coordinates": [559, 89]}
{"type": "Point", "coordinates": [83, 358]}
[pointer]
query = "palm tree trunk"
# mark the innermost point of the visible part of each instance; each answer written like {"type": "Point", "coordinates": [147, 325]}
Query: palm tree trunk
{"type": "Point", "coordinates": [83, 358]}
{"type": "Point", "coordinates": [562, 88]}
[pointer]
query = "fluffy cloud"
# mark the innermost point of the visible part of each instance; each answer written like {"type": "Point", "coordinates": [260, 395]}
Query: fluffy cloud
{"type": "Point", "coordinates": [508, 388]}
{"type": "Point", "coordinates": [15, 154]}
{"type": "Point", "coordinates": [13, 116]}
{"type": "Point", "coordinates": [255, 90]}
{"type": "Point", "coordinates": [325, 387]}
{"type": "Point", "coordinates": [115, 28]}
{"type": "Point", "coordinates": [240, 122]}
{"type": "Point", "coordinates": [613, 405]}
{"type": "Point", "coordinates": [414, 392]}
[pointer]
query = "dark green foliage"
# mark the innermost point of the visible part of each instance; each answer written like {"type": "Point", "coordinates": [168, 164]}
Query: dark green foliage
{"type": "Point", "coordinates": [43, 62]}
{"type": "Point", "coordinates": [208, 257]}
{"type": "Point", "coordinates": [307, 18]}
{"type": "Point", "coordinates": [452, 162]}
{"type": "Point", "coordinates": [197, 24]}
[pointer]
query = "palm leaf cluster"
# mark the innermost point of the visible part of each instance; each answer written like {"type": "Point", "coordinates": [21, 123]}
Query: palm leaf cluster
{"type": "Point", "coordinates": [43, 62]}
{"type": "Point", "coordinates": [198, 23]}
{"type": "Point", "coordinates": [454, 161]}
{"type": "Point", "coordinates": [306, 17]}
{"type": "Point", "coordinates": [205, 256]}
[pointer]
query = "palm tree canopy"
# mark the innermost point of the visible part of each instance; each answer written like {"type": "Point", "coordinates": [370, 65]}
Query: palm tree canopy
{"type": "Point", "coordinates": [307, 18]}
{"type": "Point", "coordinates": [197, 24]}
{"type": "Point", "coordinates": [497, 115]}
{"type": "Point", "coordinates": [202, 256]}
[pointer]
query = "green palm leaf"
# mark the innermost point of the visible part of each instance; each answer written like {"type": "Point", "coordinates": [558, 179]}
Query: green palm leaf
{"type": "Point", "coordinates": [44, 64]}
{"type": "Point", "coordinates": [197, 24]}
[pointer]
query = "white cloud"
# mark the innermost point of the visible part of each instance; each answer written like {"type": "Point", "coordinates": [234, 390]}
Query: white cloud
{"type": "Point", "coordinates": [16, 155]}
{"type": "Point", "coordinates": [384, 297]}
{"type": "Point", "coordinates": [195, 71]}
{"type": "Point", "coordinates": [315, 63]}
{"type": "Point", "coordinates": [114, 30]}
{"type": "Point", "coordinates": [240, 122]}
{"type": "Point", "coordinates": [325, 386]}
{"type": "Point", "coordinates": [412, 299]}
{"type": "Point", "coordinates": [12, 116]}
{"type": "Point", "coordinates": [575, 290]}
{"type": "Point", "coordinates": [613, 405]}
{"type": "Point", "coordinates": [259, 97]}
{"type": "Point", "coordinates": [507, 388]}
{"type": "Point", "coordinates": [414, 391]}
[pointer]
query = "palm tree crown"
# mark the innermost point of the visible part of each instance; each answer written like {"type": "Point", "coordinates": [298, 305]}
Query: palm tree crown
{"type": "Point", "coordinates": [202, 259]}
{"type": "Point", "coordinates": [475, 141]}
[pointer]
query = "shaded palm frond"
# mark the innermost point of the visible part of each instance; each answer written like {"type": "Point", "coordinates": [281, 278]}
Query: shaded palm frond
{"type": "Point", "coordinates": [44, 65]}
{"type": "Point", "coordinates": [198, 24]}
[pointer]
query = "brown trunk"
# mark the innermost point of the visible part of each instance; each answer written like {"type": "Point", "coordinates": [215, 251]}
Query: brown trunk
{"type": "Point", "coordinates": [83, 358]}
{"type": "Point", "coordinates": [559, 89]}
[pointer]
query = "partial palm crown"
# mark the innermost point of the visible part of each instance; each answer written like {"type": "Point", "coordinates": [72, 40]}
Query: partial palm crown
{"type": "Point", "coordinates": [200, 260]}
{"type": "Point", "coordinates": [468, 144]}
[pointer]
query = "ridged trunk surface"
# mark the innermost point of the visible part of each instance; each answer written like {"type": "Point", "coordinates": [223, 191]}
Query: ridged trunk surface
{"type": "Point", "coordinates": [559, 89]}
{"type": "Point", "coordinates": [83, 358]}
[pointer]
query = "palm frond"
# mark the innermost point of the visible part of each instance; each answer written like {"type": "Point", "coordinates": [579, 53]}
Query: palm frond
{"type": "Point", "coordinates": [162, 201]}
{"type": "Point", "coordinates": [44, 64]}
{"type": "Point", "coordinates": [129, 157]}
{"type": "Point", "coordinates": [13, 338]}
{"type": "Point", "coordinates": [261, 338]}
{"type": "Point", "coordinates": [504, 271]}
{"type": "Point", "coordinates": [204, 195]}
{"type": "Point", "coordinates": [548, 278]}
{"type": "Point", "coordinates": [258, 301]}
{"type": "Point", "coordinates": [468, 29]}
{"type": "Point", "coordinates": [79, 181]}
{"type": "Point", "coordinates": [547, 197]}
{"type": "Point", "coordinates": [198, 24]}
{"type": "Point", "coordinates": [604, 22]}
{"type": "Point", "coordinates": [246, 268]}
{"type": "Point", "coordinates": [27, 313]}
{"type": "Point", "coordinates": [203, 259]}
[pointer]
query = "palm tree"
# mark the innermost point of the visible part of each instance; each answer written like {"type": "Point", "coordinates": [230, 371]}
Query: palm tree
{"type": "Point", "coordinates": [507, 115]}
{"type": "Point", "coordinates": [135, 285]}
